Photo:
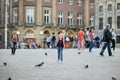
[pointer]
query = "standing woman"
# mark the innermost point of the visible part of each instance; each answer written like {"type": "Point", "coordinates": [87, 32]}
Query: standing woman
{"type": "Point", "coordinates": [113, 39]}
{"type": "Point", "coordinates": [60, 46]}
{"type": "Point", "coordinates": [81, 36]}
{"type": "Point", "coordinates": [14, 39]}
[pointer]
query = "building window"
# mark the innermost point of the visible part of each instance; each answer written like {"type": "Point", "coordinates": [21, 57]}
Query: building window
{"type": "Point", "coordinates": [47, 0]}
{"type": "Point", "coordinates": [110, 21]}
{"type": "Point", "coordinates": [118, 22]}
{"type": "Point", "coordinates": [60, 18]}
{"type": "Point", "coordinates": [79, 3]}
{"type": "Point", "coordinates": [92, 21]}
{"type": "Point", "coordinates": [118, 6]}
{"type": "Point", "coordinates": [91, 3]}
{"type": "Point", "coordinates": [30, 15]}
{"type": "Point", "coordinates": [46, 17]}
{"type": "Point", "coordinates": [100, 8]}
{"type": "Point", "coordinates": [79, 19]}
{"type": "Point", "coordinates": [15, 15]}
{"type": "Point", "coordinates": [70, 2]}
{"type": "Point", "coordinates": [100, 23]}
{"type": "Point", "coordinates": [109, 7]}
{"type": "Point", "coordinates": [15, 0]}
{"type": "Point", "coordinates": [70, 18]}
{"type": "Point", "coordinates": [60, 1]}
{"type": "Point", "coordinates": [118, 39]}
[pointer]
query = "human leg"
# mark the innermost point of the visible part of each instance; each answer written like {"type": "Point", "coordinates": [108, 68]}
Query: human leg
{"type": "Point", "coordinates": [103, 49]}
{"type": "Point", "coordinates": [113, 44]}
{"type": "Point", "coordinates": [78, 44]}
{"type": "Point", "coordinates": [109, 49]}
{"type": "Point", "coordinates": [58, 53]}
{"type": "Point", "coordinates": [61, 54]}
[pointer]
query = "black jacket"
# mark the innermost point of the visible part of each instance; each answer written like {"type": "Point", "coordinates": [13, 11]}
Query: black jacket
{"type": "Point", "coordinates": [107, 36]}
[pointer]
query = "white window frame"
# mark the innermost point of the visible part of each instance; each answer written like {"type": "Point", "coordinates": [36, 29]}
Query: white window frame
{"type": "Point", "coordinates": [47, 16]}
{"type": "Point", "coordinates": [109, 7]}
{"type": "Point", "coordinates": [15, 15]}
{"type": "Point", "coordinates": [79, 19]}
{"type": "Point", "coordinates": [60, 16]}
{"type": "Point", "coordinates": [60, 1]}
{"type": "Point", "coordinates": [70, 2]}
{"type": "Point", "coordinates": [92, 20]}
{"type": "Point", "coordinates": [79, 3]}
{"type": "Point", "coordinates": [92, 3]}
{"type": "Point", "coordinates": [30, 15]}
{"type": "Point", "coordinates": [100, 7]}
{"type": "Point", "coordinates": [118, 6]}
{"type": "Point", "coordinates": [70, 18]}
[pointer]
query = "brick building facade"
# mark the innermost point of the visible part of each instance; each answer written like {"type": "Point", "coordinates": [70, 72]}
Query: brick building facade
{"type": "Point", "coordinates": [33, 19]}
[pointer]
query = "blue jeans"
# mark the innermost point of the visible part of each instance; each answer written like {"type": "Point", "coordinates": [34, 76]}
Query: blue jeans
{"type": "Point", "coordinates": [60, 54]}
{"type": "Point", "coordinates": [92, 44]}
{"type": "Point", "coordinates": [53, 44]}
{"type": "Point", "coordinates": [76, 45]}
{"type": "Point", "coordinates": [106, 44]}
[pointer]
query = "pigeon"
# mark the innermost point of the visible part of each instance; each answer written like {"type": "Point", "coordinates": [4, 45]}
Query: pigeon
{"type": "Point", "coordinates": [79, 52]}
{"type": "Point", "coordinates": [86, 66]}
{"type": "Point", "coordinates": [5, 64]}
{"type": "Point", "coordinates": [113, 78]}
{"type": "Point", "coordinates": [39, 65]}
{"type": "Point", "coordinates": [46, 54]}
{"type": "Point", "coordinates": [9, 78]}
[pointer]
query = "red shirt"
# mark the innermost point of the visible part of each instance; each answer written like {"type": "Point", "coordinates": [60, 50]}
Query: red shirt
{"type": "Point", "coordinates": [81, 34]}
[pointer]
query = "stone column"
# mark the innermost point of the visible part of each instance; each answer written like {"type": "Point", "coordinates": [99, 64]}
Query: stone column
{"type": "Point", "coordinates": [54, 16]}
{"type": "Point", "coordinates": [86, 13]}
{"type": "Point", "coordinates": [39, 13]}
{"type": "Point", "coordinates": [21, 10]}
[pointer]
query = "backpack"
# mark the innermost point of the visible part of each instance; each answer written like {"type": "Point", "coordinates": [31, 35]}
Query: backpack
{"type": "Point", "coordinates": [14, 38]}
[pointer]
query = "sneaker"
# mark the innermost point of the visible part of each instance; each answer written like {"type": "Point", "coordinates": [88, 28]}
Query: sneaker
{"type": "Point", "coordinates": [111, 55]}
{"type": "Point", "coordinates": [101, 55]}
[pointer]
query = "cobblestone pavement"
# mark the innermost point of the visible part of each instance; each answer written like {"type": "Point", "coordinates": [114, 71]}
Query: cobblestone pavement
{"type": "Point", "coordinates": [21, 66]}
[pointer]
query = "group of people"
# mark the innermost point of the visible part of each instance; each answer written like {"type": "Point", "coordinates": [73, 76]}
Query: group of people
{"type": "Point", "coordinates": [108, 38]}
{"type": "Point", "coordinates": [50, 40]}
{"type": "Point", "coordinates": [82, 40]}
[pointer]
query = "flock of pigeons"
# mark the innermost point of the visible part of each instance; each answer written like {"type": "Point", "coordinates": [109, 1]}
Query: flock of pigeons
{"type": "Point", "coordinates": [41, 64]}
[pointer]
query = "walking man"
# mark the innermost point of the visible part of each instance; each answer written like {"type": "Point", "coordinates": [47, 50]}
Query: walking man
{"type": "Point", "coordinates": [107, 37]}
{"type": "Point", "coordinates": [14, 39]}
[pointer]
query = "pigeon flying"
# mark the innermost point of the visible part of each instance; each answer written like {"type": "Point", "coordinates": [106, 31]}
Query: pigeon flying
{"type": "Point", "coordinates": [39, 65]}
{"type": "Point", "coordinates": [9, 78]}
{"type": "Point", "coordinates": [5, 64]}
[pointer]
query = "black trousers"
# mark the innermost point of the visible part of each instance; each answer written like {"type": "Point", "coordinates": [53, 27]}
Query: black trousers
{"type": "Point", "coordinates": [113, 44]}
{"type": "Point", "coordinates": [14, 47]}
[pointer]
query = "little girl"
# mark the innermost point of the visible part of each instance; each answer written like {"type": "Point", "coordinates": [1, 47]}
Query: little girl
{"type": "Point", "coordinates": [60, 46]}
